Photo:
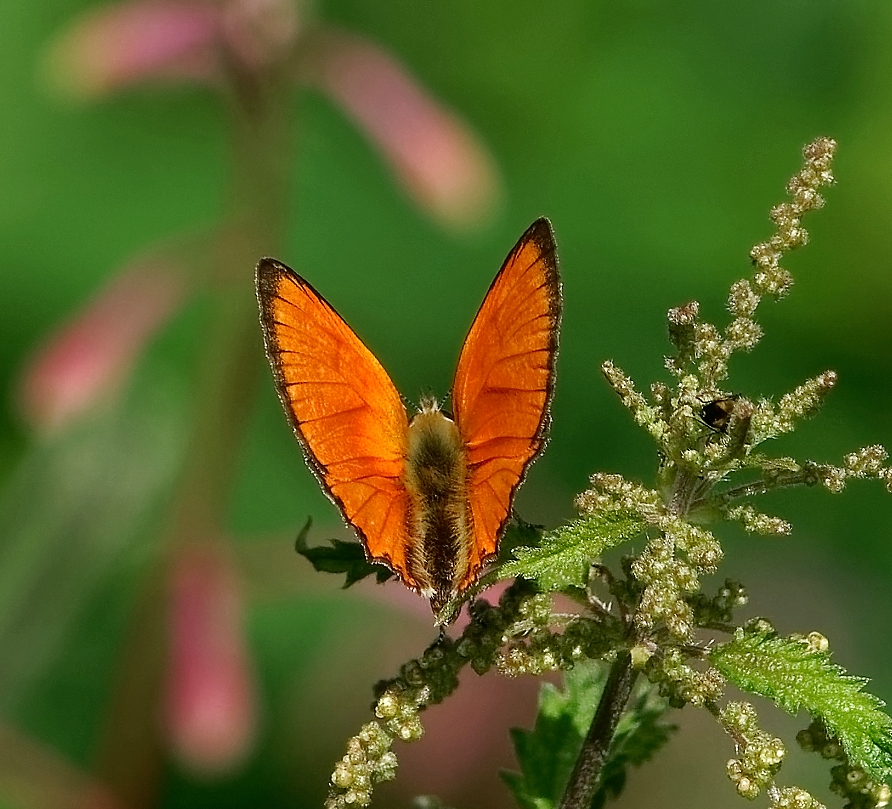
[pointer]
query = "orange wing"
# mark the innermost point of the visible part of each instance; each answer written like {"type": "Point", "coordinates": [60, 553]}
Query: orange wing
{"type": "Point", "coordinates": [504, 381]}
{"type": "Point", "coordinates": [343, 408]}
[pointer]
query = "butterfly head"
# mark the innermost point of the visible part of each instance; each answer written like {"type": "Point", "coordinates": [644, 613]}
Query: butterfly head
{"type": "Point", "coordinates": [428, 404]}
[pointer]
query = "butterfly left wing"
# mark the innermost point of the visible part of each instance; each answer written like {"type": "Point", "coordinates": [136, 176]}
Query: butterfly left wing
{"type": "Point", "coordinates": [343, 408]}
{"type": "Point", "coordinates": [504, 381]}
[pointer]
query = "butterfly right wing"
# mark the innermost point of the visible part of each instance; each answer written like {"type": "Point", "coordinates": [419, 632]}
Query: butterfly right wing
{"type": "Point", "coordinates": [343, 408]}
{"type": "Point", "coordinates": [504, 381]}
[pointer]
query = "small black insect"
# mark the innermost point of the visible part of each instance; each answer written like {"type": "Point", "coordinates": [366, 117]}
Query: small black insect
{"type": "Point", "coordinates": [717, 413]}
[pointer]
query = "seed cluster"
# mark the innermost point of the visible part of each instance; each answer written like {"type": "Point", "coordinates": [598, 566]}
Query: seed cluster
{"type": "Point", "coordinates": [368, 761]}
{"type": "Point", "coordinates": [769, 420]}
{"type": "Point", "coordinates": [851, 783]}
{"type": "Point", "coordinates": [760, 754]}
{"type": "Point", "coordinates": [718, 611]}
{"type": "Point", "coordinates": [681, 683]}
{"type": "Point", "coordinates": [422, 682]}
{"type": "Point", "coordinates": [543, 650]}
{"type": "Point", "coordinates": [793, 798]}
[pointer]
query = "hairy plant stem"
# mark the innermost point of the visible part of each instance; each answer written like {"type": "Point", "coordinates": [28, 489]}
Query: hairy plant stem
{"type": "Point", "coordinates": [587, 770]}
{"type": "Point", "coordinates": [681, 494]}
{"type": "Point", "coordinates": [758, 487]}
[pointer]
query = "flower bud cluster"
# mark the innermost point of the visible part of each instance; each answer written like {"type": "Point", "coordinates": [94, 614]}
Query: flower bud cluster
{"type": "Point", "coordinates": [867, 462]}
{"type": "Point", "coordinates": [712, 352]}
{"type": "Point", "coordinates": [670, 567]}
{"type": "Point", "coordinates": [758, 523]}
{"type": "Point", "coordinates": [860, 791]}
{"type": "Point", "coordinates": [541, 651]}
{"type": "Point", "coordinates": [482, 641]}
{"type": "Point", "coordinates": [681, 683]}
{"type": "Point", "coordinates": [851, 783]}
{"type": "Point", "coordinates": [665, 578]}
{"type": "Point", "coordinates": [743, 300]}
{"type": "Point", "coordinates": [682, 333]}
{"type": "Point", "coordinates": [769, 421]}
{"type": "Point", "coordinates": [760, 754]}
{"type": "Point", "coordinates": [703, 343]}
{"type": "Point", "coordinates": [742, 334]}
{"type": "Point", "coordinates": [368, 761]}
{"type": "Point", "coordinates": [720, 608]}
{"type": "Point", "coordinates": [864, 463]}
{"type": "Point", "coordinates": [832, 478]}
{"type": "Point", "coordinates": [793, 798]}
{"type": "Point", "coordinates": [644, 414]}
{"type": "Point", "coordinates": [815, 641]}
{"type": "Point", "coordinates": [422, 682]}
{"type": "Point", "coordinates": [770, 278]}
{"type": "Point", "coordinates": [399, 707]}
{"type": "Point", "coordinates": [615, 493]}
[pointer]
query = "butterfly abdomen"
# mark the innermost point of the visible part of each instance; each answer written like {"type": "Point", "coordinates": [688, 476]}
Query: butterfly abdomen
{"type": "Point", "coordinates": [440, 533]}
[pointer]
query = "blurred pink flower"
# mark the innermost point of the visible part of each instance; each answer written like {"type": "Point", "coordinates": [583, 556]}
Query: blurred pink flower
{"type": "Point", "coordinates": [440, 161]}
{"type": "Point", "coordinates": [118, 45]}
{"type": "Point", "coordinates": [87, 357]}
{"type": "Point", "coordinates": [128, 43]}
{"type": "Point", "coordinates": [434, 154]}
{"type": "Point", "coordinates": [209, 704]}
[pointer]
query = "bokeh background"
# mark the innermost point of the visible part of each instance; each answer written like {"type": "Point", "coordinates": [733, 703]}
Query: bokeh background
{"type": "Point", "coordinates": [160, 642]}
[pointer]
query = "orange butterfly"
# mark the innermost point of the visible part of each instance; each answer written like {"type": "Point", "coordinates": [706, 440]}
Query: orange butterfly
{"type": "Point", "coordinates": [429, 497]}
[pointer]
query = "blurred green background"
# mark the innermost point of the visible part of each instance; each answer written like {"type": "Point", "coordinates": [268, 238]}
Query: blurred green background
{"type": "Point", "coordinates": [656, 136]}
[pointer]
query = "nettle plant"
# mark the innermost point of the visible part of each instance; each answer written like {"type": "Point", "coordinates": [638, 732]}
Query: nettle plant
{"type": "Point", "coordinates": [641, 640]}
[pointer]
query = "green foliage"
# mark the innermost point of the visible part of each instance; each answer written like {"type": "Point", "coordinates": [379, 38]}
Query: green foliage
{"type": "Point", "coordinates": [796, 675]}
{"type": "Point", "coordinates": [638, 736]}
{"type": "Point", "coordinates": [563, 557]}
{"type": "Point", "coordinates": [340, 557]}
{"type": "Point", "coordinates": [548, 753]}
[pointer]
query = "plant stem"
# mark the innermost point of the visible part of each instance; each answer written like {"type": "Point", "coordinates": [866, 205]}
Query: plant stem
{"type": "Point", "coordinates": [584, 779]}
{"type": "Point", "coordinates": [131, 754]}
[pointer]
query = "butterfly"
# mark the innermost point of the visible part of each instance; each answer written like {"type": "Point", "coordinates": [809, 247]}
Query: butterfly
{"type": "Point", "coordinates": [428, 496]}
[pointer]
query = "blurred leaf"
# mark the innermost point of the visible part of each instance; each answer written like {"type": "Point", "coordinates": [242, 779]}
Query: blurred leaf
{"type": "Point", "coordinates": [564, 556]}
{"type": "Point", "coordinates": [69, 509]}
{"type": "Point", "coordinates": [340, 557]}
{"type": "Point", "coordinates": [548, 753]}
{"type": "Point", "coordinates": [794, 675]}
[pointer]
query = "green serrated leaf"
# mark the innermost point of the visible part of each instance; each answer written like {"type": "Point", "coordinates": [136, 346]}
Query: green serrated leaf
{"type": "Point", "coordinates": [340, 557]}
{"type": "Point", "coordinates": [793, 675]}
{"type": "Point", "coordinates": [547, 754]}
{"type": "Point", "coordinates": [518, 534]}
{"type": "Point", "coordinates": [563, 557]}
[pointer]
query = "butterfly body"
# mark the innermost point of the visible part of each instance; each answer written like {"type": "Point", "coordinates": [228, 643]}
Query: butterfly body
{"type": "Point", "coordinates": [440, 530]}
{"type": "Point", "coordinates": [429, 497]}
